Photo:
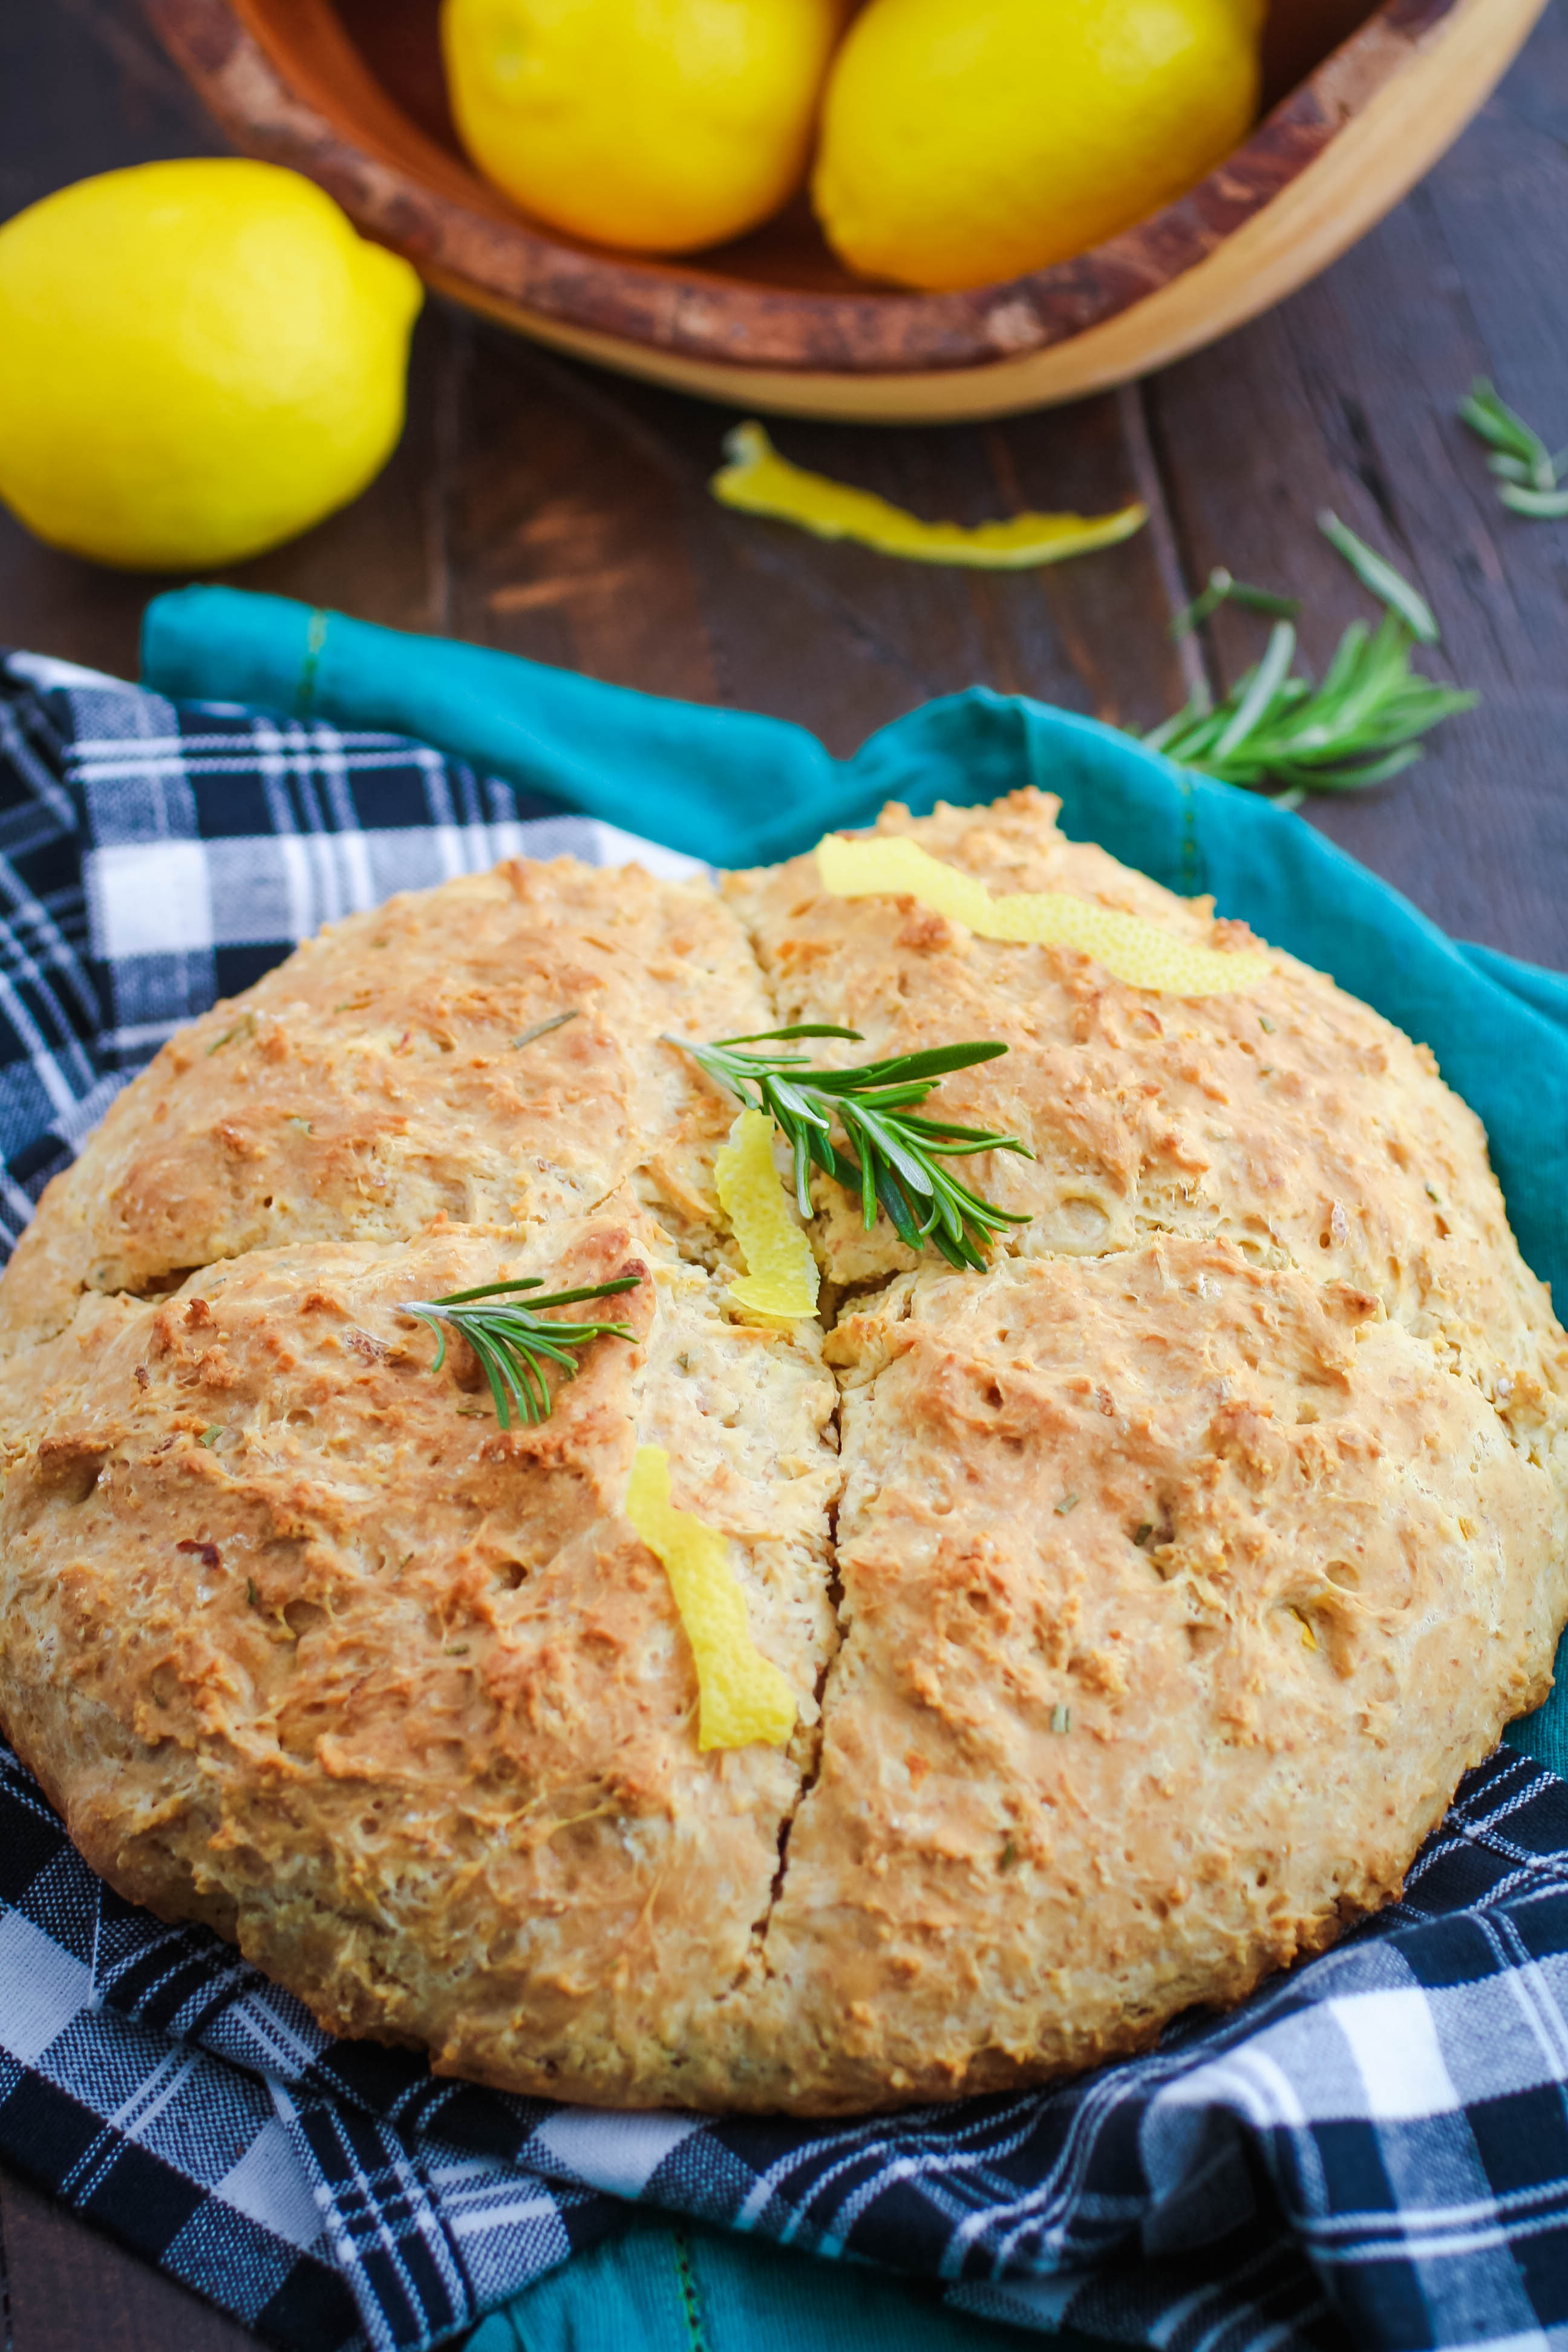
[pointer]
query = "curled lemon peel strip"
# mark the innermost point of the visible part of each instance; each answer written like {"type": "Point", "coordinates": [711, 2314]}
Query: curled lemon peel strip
{"type": "Point", "coordinates": [742, 1695]}
{"type": "Point", "coordinates": [781, 1278]}
{"type": "Point", "coordinates": [759, 481]}
{"type": "Point", "coordinates": [1133, 950]}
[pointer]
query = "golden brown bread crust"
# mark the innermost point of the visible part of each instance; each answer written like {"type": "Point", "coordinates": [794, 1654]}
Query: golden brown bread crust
{"type": "Point", "coordinates": [1148, 1564]}
{"type": "Point", "coordinates": [1289, 1118]}
{"type": "Point", "coordinates": [379, 1078]}
{"type": "Point", "coordinates": [395, 1698]}
{"type": "Point", "coordinates": [1183, 1560]}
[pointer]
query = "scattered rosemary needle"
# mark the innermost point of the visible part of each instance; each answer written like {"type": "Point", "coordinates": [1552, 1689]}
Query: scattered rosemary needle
{"type": "Point", "coordinates": [1224, 588]}
{"type": "Point", "coordinates": [244, 1027]}
{"type": "Point", "coordinates": [543, 1028]}
{"type": "Point", "coordinates": [1530, 480]}
{"type": "Point", "coordinates": [512, 1339]}
{"type": "Point", "coordinates": [898, 1157]}
{"type": "Point", "coordinates": [1374, 571]}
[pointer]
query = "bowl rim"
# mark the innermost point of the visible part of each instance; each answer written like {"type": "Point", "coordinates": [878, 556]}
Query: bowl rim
{"type": "Point", "coordinates": [444, 219]}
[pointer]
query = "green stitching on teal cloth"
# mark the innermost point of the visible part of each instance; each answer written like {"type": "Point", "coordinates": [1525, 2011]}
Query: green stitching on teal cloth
{"type": "Point", "coordinates": [1192, 863]}
{"type": "Point", "coordinates": [690, 2302]}
{"type": "Point", "coordinates": [315, 641]}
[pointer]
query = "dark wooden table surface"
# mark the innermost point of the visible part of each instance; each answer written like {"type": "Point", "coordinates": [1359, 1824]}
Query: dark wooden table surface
{"type": "Point", "coordinates": [542, 507]}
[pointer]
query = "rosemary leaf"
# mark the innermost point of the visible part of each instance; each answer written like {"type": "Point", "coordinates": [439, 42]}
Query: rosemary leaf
{"type": "Point", "coordinates": [244, 1027]}
{"type": "Point", "coordinates": [512, 1339]}
{"type": "Point", "coordinates": [895, 1162]}
{"type": "Point", "coordinates": [1544, 506]}
{"type": "Point", "coordinates": [543, 1028]}
{"type": "Point", "coordinates": [1377, 573]}
{"type": "Point", "coordinates": [1529, 477]}
{"type": "Point", "coordinates": [1224, 588]}
{"type": "Point", "coordinates": [1505, 432]}
{"type": "Point", "coordinates": [1260, 690]}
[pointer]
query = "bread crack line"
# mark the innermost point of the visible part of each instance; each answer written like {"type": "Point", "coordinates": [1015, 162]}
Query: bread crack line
{"type": "Point", "coordinates": [781, 1266]}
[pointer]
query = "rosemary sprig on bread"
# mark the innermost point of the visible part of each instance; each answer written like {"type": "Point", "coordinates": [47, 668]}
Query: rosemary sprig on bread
{"type": "Point", "coordinates": [512, 1340]}
{"type": "Point", "coordinates": [898, 1157]}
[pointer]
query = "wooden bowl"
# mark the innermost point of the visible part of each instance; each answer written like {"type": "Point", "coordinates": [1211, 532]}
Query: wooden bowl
{"type": "Point", "coordinates": [1363, 99]}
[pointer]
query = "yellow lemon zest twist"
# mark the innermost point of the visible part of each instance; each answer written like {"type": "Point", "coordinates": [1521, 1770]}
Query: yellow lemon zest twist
{"type": "Point", "coordinates": [1131, 949]}
{"type": "Point", "coordinates": [742, 1695]}
{"type": "Point", "coordinates": [759, 481]}
{"type": "Point", "coordinates": [781, 1277]}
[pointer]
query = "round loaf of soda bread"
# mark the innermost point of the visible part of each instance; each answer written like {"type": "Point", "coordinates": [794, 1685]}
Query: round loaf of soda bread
{"type": "Point", "coordinates": [1142, 1598]}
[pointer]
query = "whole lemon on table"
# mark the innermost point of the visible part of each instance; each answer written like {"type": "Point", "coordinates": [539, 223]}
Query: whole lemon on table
{"type": "Point", "coordinates": [966, 141]}
{"type": "Point", "coordinates": [197, 360]}
{"type": "Point", "coordinates": [662, 125]}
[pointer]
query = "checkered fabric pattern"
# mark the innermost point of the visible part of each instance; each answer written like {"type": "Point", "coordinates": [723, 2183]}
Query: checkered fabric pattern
{"type": "Point", "coordinates": [153, 859]}
{"type": "Point", "coordinates": [1372, 2151]}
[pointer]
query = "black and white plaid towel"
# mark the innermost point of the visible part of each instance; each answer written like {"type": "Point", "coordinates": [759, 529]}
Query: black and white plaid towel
{"type": "Point", "coordinates": [1373, 2150]}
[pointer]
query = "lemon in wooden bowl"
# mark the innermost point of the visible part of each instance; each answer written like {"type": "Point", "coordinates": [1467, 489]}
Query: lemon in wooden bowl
{"type": "Point", "coordinates": [964, 146]}
{"type": "Point", "coordinates": [657, 125]}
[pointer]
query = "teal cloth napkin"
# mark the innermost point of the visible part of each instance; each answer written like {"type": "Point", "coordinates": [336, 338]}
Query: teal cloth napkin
{"type": "Point", "coordinates": [693, 2290]}
{"type": "Point", "coordinates": [738, 788]}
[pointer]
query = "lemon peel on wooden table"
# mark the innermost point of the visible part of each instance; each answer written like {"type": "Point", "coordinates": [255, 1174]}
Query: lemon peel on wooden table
{"type": "Point", "coordinates": [757, 480]}
{"type": "Point", "coordinates": [742, 1695]}
{"type": "Point", "coordinates": [1136, 953]}
{"type": "Point", "coordinates": [781, 1277]}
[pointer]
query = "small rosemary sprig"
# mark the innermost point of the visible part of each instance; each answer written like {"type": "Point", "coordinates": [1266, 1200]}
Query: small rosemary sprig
{"type": "Point", "coordinates": [1530, 478]}
{"type": "Point", "coordinates": [1359, 726]}
{"type": "Point", "coordinates": [898, 1156]}
{"type": "Point", "coordinates": [513, 1342]}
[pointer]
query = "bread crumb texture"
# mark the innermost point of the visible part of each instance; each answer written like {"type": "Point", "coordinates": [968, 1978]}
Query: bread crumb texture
{"type": "Point", "coordinates": [1125, 1615]}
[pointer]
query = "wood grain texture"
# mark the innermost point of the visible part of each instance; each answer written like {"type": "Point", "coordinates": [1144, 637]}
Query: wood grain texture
{"type": "Point", "coordinates": [539, 506]}
{"type": "Point", "coordinates": [349, 97]}
{"type": "Point", "coordinates": [69, 2290]}
{"type": "Point", "coordinates": [1357, 378]}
